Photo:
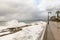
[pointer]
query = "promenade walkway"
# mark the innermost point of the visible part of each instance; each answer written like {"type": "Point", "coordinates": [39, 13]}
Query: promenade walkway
{"type": "Point", "coordinates": [53, 31]}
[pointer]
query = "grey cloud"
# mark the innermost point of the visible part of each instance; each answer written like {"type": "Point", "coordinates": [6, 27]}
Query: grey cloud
{"type": "Point", "coordinates": [26, 9]}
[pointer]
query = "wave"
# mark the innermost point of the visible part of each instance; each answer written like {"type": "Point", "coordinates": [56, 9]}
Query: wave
{"type": "Point", "coordinates": [32, 32]}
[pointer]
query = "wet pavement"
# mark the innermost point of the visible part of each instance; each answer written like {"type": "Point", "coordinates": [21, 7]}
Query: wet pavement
{"type": "Point", "coordinates": [53, 31]}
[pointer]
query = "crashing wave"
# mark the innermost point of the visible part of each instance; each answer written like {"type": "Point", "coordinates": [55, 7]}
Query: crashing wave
{"type": "Point", "coordinates": [32, 32]}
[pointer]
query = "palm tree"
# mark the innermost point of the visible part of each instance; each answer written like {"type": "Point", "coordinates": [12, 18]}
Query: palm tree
{"type": "Point", "coordinates": [58, 12]}
{"type": "Point", "coordinates": [58, 17]}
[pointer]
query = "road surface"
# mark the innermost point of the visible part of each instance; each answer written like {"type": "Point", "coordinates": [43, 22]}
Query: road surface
{"type": "Point", "coordinates": [53, 31]}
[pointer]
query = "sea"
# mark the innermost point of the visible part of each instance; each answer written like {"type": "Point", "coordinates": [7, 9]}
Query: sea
{"type": "Point", "coordinates": [3, 23]}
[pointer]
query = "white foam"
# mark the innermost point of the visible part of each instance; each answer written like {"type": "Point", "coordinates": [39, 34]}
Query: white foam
{"type": "Point", "coordinates": [28, 33]}
{"type": "Point", "coordinates": [13, 23]}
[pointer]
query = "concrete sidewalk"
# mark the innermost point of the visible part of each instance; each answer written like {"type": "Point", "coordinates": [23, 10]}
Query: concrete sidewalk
{"type": "Point", "coordinates": [53, 31]}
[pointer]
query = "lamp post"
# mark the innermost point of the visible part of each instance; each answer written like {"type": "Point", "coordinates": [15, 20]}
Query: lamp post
{"type": "Point", "coordinates": [48, 16]}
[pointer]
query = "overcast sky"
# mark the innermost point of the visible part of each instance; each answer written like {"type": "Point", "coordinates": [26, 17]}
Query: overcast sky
{"type": "Point", "coordinates": [26, 9]}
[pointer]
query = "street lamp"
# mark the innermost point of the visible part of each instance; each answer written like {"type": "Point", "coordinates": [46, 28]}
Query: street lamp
{"type": "Point", "coordinates": [48, 16]}
{"type": "Point", "coordinates": [49, 12]}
